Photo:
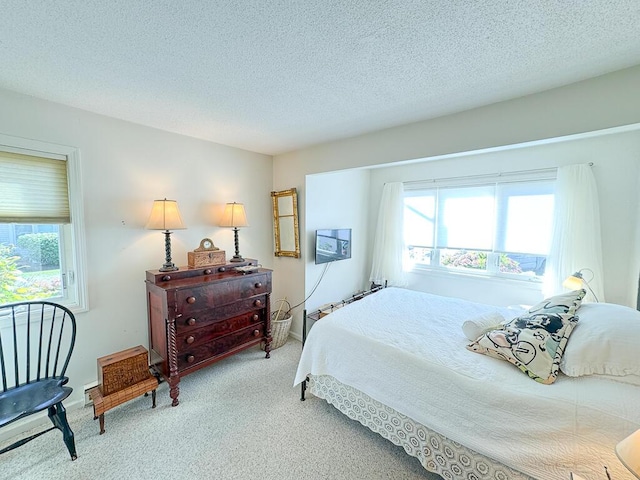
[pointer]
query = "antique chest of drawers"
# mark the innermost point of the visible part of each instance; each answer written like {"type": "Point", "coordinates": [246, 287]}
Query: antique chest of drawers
{"type": "Point", "coordinates": [198, 316]}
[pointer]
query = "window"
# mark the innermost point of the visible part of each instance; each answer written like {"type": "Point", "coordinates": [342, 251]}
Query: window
{"type": "Point", "coordinates": [41, 228]}
{"type": "Point", "coordinates": [498, 228]}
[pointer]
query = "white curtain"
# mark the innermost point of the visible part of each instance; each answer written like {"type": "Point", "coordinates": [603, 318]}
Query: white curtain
{"type": "Point", "coordinates": [388, 244]}
{"type": "Point", "coordinates": [576, 243]}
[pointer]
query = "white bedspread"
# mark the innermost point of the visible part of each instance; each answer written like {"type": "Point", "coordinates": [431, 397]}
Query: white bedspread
{"type": "Point", "coordinates": [406, 349]}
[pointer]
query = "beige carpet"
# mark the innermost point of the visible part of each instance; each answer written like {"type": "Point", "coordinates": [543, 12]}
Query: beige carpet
{"type": "Point", "coordinates": [238, 419]}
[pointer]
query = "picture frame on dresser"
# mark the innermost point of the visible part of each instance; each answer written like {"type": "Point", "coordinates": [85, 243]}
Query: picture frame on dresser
{"type": "Point", "coordinates": [198, 316]}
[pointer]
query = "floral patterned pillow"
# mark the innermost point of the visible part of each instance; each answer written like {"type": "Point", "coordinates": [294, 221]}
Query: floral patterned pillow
{"type": "Point", "coordinates": [533, 342]}
{"type": "Point", "coordinates": [567, 302]}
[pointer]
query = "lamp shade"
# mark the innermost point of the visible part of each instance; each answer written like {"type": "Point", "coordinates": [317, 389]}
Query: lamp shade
{"type": "Point", "coordinates": [573, 282]}
{"type": "Point", "coordinates": [234, 216]}
{"type": "Point", "coordinates": [165, 215]}
{"type": "Point", "coordinates": [628, 451]}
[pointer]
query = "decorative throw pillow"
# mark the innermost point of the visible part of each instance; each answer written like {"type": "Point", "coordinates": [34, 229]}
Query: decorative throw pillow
{"type": "Point", "coordinates": [533, 342]}
{"type": "Point", "coordinates": [567, 302]}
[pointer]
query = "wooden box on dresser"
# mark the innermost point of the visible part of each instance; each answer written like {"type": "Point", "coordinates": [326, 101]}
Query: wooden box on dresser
{"type": "Point", "coordinates": [198, 316]}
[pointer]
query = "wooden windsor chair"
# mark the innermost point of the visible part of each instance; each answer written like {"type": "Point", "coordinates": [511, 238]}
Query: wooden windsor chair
{"type": "Point", "coordinates": [36, 343]}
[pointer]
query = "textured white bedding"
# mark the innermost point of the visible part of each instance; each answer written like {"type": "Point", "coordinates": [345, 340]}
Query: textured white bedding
{"type": "Point", "coordinates": [406, 349]}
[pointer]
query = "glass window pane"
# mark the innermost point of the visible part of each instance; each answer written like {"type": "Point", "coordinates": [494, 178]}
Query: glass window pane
{"type": "Point", "coordinates": [30, 265]}
{"type": "Point", "coordinates": [531, 265]}
{"type": "Point", "coordinates": [466, 259]}
{"type": "Point", "coordinates": [419, 220]}
{"type": "Point", "coordinates": [420, 255]}
{"type": "Point", "coordinates": [466, 218]}
{"type": "Point", "coordinates": [529, 224]}
{"type": "Point", "coordinates": [526, 217]}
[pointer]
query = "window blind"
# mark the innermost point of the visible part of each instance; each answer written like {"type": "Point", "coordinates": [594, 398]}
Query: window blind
{"type": "Point", "coordinates": [33, 189]}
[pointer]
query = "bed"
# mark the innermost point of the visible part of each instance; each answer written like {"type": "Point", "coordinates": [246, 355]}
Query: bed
{"type": "Point", "coordinates": [398, 362]}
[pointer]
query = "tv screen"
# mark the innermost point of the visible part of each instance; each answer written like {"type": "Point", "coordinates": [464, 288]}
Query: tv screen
{"type": "Point", "coordinates": [332, 245]}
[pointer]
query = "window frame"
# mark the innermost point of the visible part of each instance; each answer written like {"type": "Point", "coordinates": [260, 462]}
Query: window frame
{"type": "Point", "coordinates": [75, 247]}
{"type": "Point", "coordinates": [413, 189]}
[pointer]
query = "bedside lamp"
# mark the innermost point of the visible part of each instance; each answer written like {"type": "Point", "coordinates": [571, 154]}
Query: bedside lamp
{"type": "Point", "coordinates": [166, 216]}
{"type": "Point", "coordinates": [628, 451]}
{"type": "Point", "coordinates": [234, 216]}
{"type": "Point", "coordinates": [577, 281]}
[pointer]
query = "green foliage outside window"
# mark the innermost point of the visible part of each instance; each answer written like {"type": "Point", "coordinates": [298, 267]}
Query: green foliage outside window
{"type": "Point", "coordinates": [478, 261]}
{"type": "Point", "coordinates": [15, 286]}
{"type": "Point", "coordinates": [40, 248]}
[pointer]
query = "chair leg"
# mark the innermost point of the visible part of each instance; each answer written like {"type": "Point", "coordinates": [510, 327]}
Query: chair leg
{"type": "Point", "coordinates": [58, 416]}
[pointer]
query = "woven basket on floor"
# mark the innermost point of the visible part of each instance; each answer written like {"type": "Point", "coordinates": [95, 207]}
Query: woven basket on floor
{"type": "Point", "coordinates": [280, 324]}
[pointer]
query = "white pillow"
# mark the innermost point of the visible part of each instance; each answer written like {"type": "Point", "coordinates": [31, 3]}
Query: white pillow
{"type": "Point", "coordinates": [482, 324]}
{"type": "Point", "coordinates": [604, 342]}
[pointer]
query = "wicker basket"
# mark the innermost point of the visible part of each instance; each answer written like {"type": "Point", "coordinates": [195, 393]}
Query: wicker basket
{"type": "Point", "coordinates": [280, 324]}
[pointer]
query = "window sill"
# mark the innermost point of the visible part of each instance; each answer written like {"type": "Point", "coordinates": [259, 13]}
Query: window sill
{"type": "Point", "coordinates": [523, 283]}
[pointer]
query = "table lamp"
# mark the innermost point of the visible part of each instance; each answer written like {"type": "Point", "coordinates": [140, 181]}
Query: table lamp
{"type": "Point", "coordinates": [166, 216]}
{"type": "Point", "coordinates": [234, 216]}
{"type": "Point", "coordinates": [576, 281]}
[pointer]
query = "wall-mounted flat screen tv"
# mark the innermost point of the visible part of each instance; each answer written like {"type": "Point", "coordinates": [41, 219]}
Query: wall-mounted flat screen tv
{"type": "Point", "coordinates": [332, 245]}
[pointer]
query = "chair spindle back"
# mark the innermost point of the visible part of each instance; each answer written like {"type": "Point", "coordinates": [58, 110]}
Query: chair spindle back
{"type": "Point", "coordinates": [36, 342]}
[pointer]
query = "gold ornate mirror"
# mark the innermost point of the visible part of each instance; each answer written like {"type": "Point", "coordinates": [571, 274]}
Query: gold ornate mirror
{"type": "Point", "coordinates": [285, 223]}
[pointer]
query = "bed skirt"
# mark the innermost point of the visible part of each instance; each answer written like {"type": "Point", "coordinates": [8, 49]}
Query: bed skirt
{"type": "Point", "coordinates": [436, 453]}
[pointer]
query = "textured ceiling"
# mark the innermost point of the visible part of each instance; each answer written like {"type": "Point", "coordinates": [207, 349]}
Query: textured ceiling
{"type": "Point", "coordinates": [273, 76]}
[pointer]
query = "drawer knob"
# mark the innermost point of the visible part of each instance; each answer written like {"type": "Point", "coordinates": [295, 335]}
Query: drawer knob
{"type": "Point", "coordinates": [190, 358]}
{"type": "Point", "coordinates": [208, 271]}
{"type": "Point", "coordinates": [191, 300]}
{"type": "Point", "coordinates": [166, 278]}
{"type": "Point", "coordinates": [190, 339]}
{"type": "Point", "coordinates": [222, 269]}
{"type": "Point", "coordinates": [256, 333]}
{"type": "Point", "coordinates": [255, 317]}
{"type": "Point", "coordinates": [258, 303]}
{"type": "Point", "coordinates": [258, 284]}
{"type": "Point", "coordinates": [191, 322]}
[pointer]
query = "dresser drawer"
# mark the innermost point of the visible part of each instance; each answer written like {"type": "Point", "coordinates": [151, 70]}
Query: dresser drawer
{"type": "Point", "coordinates": [198, 298]}
{"type": "Point", "coordinates": [192, 337]}
{"type": "Point", "coordinates": [188, 358]}
{"type": "Point", "coordinates": [201, 318]}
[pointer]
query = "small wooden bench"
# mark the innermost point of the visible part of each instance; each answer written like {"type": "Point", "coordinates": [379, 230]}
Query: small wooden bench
{"type": "Point", "coordinates": [123, 376]}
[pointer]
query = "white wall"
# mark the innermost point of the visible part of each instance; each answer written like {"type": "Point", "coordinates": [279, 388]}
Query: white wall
{"type": "Point", "coordinates": [337, 200]}
{"type": "Point", "coordinates": [591, 105]}
{"type": "Point", "coordinates": [124, 168]}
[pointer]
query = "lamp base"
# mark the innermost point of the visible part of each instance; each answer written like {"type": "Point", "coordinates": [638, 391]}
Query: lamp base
{"type": "Point", "coordinates": [168, 268]}
{"type": "Point", "coordinates": [236, 257]}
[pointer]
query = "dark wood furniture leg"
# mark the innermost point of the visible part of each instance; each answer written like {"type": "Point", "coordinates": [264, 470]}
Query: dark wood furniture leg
{"type": "Point", "coordinates": [101, 419]}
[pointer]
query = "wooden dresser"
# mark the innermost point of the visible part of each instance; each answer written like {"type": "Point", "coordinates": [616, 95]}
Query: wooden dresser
{"type": "Point", "coordinates": [198, 316]}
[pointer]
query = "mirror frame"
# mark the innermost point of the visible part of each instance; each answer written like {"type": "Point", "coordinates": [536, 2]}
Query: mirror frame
{"type": "Point", "coordinates": [275, 197]}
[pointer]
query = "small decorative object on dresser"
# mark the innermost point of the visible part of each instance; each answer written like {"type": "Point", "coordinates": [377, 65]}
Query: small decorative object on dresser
{"type": "Point", "coordinates": [205, 255]}
{"type": "Point", "coordinates": [122, 376]}
{"type": "Point", "coordinates": [200, 316]}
